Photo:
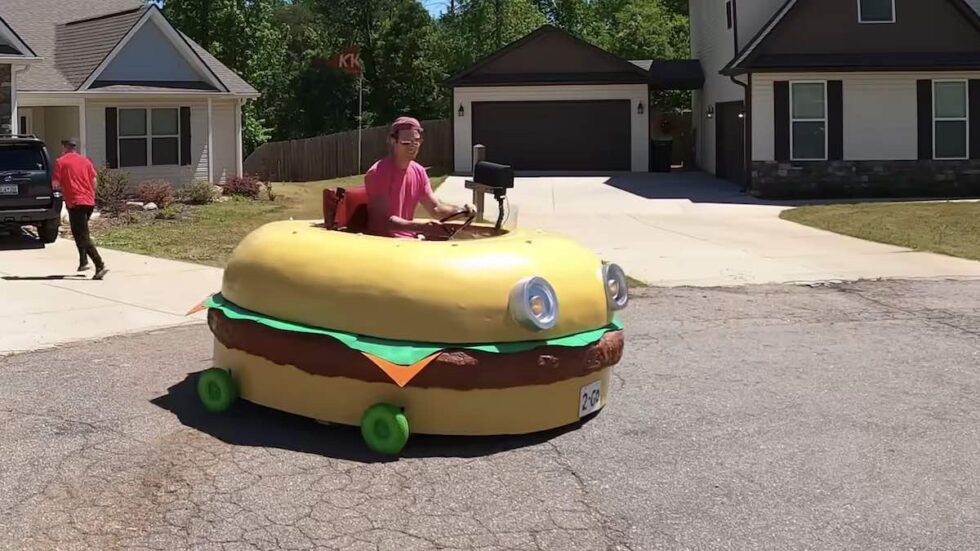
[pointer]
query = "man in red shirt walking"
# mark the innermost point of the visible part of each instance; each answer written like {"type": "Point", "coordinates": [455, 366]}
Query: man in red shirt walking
{"type": "Point", "coordinates": [75, 176]}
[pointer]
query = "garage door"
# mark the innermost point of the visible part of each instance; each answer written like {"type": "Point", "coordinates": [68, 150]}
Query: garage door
{"type": "Point", "coordinates": [555, 135]}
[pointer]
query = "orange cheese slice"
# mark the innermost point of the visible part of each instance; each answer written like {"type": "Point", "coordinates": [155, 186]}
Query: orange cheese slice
{"type": "Point", "coordinates": [400, 374]}
{"type": "Point", "coordinates": [198, 308]}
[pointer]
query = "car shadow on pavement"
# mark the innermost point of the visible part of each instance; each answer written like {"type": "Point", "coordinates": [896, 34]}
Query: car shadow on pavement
{"type": "Point", "coordinates": [19, 241]}
{"type": "Point", "coordinates": [248, 424]}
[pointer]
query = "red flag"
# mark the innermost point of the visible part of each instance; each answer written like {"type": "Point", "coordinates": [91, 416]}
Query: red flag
{"type": "Point", "coordinates": [348, 61]}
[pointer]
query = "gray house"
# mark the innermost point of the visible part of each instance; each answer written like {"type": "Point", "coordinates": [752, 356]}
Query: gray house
{"type": "Point", "coordinates": [138, 94]}
{"type": "Point", "coordinates": [840, 97]}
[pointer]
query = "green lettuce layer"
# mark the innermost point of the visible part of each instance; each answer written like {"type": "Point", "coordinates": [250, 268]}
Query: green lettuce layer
{"type": "Point", "coordinates": [404, 352]}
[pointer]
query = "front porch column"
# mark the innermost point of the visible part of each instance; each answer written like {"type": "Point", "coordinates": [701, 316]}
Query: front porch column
{"type": "Point", "coordinates": [238, 138]}
{"type": "Point", "coordinates": [82, 128]}
{"type": "Point", "coordinates": [8, 122]}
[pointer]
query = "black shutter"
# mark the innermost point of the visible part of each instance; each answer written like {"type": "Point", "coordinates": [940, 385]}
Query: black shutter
{"type": "Point", "coordinates": [974, 119]}
{"type": "Point", "coordinates": [781, 92]}
{"type": "Point", "coordinates": [835, 120]}
{"type": "Point", "coordinates": [111, 141]}
{"type": "Point", "coordinates": [925, 119]}
{"type": "Point", "coordinates": [185, 136]}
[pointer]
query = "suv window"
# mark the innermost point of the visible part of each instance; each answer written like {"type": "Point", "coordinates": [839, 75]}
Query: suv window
{"type": "Point", "coordinates": [21, 157]}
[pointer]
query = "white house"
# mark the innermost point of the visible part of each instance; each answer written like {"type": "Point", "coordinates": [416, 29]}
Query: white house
{"type": "Point", "coordinates": [137, 93]}
{"type": "Point", "coordinates": [839, 97]}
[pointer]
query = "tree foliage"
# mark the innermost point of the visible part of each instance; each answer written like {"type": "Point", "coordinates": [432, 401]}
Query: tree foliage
{"type": "Point", "coordinates": [281, 47]}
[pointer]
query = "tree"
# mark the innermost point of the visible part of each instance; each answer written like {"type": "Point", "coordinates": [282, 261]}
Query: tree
{"type": "Point", "coordinates": [243, 35]}
{"type": "Point", "coordinates": [480, 27]}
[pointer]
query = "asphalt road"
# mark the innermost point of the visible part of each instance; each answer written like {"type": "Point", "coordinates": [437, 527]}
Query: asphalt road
{"type": "Point", "coordinates": [839, 417]}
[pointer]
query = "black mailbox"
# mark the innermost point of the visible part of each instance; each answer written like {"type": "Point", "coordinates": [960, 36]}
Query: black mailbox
{"type": "Point", "coordinates": [497, 176]}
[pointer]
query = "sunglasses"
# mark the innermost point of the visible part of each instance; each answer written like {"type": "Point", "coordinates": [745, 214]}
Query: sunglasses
{"type": "Point", "coordinates": [410, 142]}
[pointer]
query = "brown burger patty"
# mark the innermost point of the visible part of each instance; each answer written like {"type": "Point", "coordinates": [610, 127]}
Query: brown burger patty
{"type": "Point", "coordinates": [453, 368]}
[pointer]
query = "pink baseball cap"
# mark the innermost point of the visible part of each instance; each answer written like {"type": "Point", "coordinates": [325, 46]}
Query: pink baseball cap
{"type": "Point", "coordinates": [405, 123]}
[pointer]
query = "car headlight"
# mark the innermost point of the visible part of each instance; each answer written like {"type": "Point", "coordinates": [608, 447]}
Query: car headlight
{"type": "Point", "coordinates": [534, 304]}
{"type": "Point", "coordinates": [617, 288]}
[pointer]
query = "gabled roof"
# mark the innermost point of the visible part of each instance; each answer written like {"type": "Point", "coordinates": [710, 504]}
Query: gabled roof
{"type": "Point", "coordinates": [520, 63]}
{"type": "Point", "coordinates": [750, 58]}
{"type": "Point", "coordinates": [76, 39]}
{"type": "Point", "coordinates": [12, 45]}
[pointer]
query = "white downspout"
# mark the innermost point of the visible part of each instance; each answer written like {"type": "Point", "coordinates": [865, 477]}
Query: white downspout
{"type": "Point", "coordinates": [82, 128]}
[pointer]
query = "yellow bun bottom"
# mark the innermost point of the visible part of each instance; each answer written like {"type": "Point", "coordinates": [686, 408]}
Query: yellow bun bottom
{"type": "Point", "coordinates": [483, 412]}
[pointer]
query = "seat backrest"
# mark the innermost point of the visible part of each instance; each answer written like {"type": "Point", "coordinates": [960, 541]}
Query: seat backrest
{"type": "Point", "coordinates": [349, 207]}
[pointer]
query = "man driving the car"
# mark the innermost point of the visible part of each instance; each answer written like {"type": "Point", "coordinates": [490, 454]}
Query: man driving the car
{"type": "Point", "coordinates": [396, 185]}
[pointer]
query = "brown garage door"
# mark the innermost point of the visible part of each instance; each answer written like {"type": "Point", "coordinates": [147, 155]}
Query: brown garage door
{"type": "Point", "coordinates": [555, 135]}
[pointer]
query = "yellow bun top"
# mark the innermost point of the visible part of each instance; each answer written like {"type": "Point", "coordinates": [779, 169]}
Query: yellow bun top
{"type": "Point", "coordinates": [427, 291]}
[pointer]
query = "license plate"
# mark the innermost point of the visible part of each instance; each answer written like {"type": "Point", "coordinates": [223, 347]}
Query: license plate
{"type": "Point", "coordinates": [590, 399]}
{"type": "Point", "coordinates": [8, 189]}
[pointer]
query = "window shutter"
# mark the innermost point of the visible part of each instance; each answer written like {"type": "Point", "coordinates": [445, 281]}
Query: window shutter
{"type": "Point", "coordinates": [974, 113]}
{"type": "Point", "coordinates": [925, 119]}
{"type": "Point", "coordinates": [111, 138]}
{"type": "Point", "coordinates": [185, 136]}
{"type": "Point", "coordinates": [835, 120]}
{"type": "Point", "coordinates": [781, 107]}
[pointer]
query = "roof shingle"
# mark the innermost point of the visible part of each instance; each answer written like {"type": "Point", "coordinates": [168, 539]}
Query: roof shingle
{"type": "Point", "coordinates": [73, 42]}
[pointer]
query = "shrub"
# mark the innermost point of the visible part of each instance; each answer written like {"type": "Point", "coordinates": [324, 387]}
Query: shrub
{"type": "Point", "coordinates": [156, 191]}
{"type": "Point", "coordinates": [200, 192]}
{"type": "Point", "coordinates": [246, 186]}
{"type": "Point", "coordinates": [110, 190]}
{"type": "Point", "coordinates": [169, 212]}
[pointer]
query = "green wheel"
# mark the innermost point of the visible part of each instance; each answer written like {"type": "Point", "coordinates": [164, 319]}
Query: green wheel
{"type": "Point", "coordinates": [385, 429]}
{"type": "Point", "coordinates": [217, 390]}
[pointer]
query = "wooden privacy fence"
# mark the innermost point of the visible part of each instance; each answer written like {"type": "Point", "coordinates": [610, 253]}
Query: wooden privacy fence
{"type": "Point", "coordinates": [335, 156]}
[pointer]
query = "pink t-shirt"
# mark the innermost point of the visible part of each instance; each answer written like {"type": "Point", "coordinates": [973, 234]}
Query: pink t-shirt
{"type": "Point", "coordinates": [401, 189]}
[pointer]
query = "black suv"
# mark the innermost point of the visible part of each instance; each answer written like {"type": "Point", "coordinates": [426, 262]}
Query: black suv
{"type": "Point", "coordinates": [26, 194]}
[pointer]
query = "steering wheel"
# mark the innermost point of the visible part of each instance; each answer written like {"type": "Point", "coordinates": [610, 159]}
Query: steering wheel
{"type": "Point", "coordinates": [451, 231]}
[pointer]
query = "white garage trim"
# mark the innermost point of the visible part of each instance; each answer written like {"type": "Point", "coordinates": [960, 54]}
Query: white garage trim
{"type": "Point", "coordinates": [466, 96]}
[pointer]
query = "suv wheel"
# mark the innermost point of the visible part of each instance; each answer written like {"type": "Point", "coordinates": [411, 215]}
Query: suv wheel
{"type": "Point", "coordinates": [48, 230]}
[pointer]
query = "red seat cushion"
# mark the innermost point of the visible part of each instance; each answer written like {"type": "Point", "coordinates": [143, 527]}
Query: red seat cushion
{"type": "Point", "coordinates": [349, 207]}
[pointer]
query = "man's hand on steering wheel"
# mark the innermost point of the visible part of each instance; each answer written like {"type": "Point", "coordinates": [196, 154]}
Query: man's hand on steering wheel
{"type": "Point", "coordinates": [450, 230]}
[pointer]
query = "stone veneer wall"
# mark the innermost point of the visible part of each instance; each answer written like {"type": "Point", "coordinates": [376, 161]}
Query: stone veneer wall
{"type": "Point", "coordinates": [844, 179]}
{"type": "Point", "coordinates": [6, 99]}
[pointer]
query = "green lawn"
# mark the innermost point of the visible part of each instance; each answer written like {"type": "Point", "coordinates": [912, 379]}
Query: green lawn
{"type": "Point", "coordinates": [951, 228]}
{"type": "Point", "coordinates": [210, 233]}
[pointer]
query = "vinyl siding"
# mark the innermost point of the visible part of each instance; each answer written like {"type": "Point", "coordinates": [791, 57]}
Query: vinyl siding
{"type": "Point", "coordinates": [714, 45]}
{"type": "Point", "coordinates": [150, 56]}
{"type": "Point", "coordinates": [58, 123]}
{"type": "Point", "coordinates": [880, 116]}
{"type": "Point", "coordinates": [223, 113]}
{"type": "Point", "coordinates": [640, 130]}
{"type": "Point", "coordinates": [177, 175]}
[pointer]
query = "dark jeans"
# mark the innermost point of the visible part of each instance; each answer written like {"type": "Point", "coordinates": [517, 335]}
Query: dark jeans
{"type": "Point", "coordinates": [79, 217]}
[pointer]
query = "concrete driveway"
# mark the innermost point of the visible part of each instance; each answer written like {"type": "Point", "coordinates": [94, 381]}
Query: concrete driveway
{"type": "Point", "coordinates": [46, 303]}
{"type": "Point", "coordinates": [692, 229]}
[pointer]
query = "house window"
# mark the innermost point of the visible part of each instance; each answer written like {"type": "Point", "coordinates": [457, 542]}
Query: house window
{"type": "Point", "coordinates": [728, 13]}
{"type": "Point", "coordinates": [951, 115]}
{"type": "Point", "coordinates": [808, 120]}
{"type": "Point", "coordinates": [876, 11]}
{"type": "Point", "coordinates": [149, 137]}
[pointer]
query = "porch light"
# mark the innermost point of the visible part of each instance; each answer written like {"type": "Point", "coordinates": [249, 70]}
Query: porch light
{"type": "Point", "coordinates": [711, 112]}
{"type": "Point", "coordinates": [639, 108]}
{"type": "Point", "coordinates": [460, 110]}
